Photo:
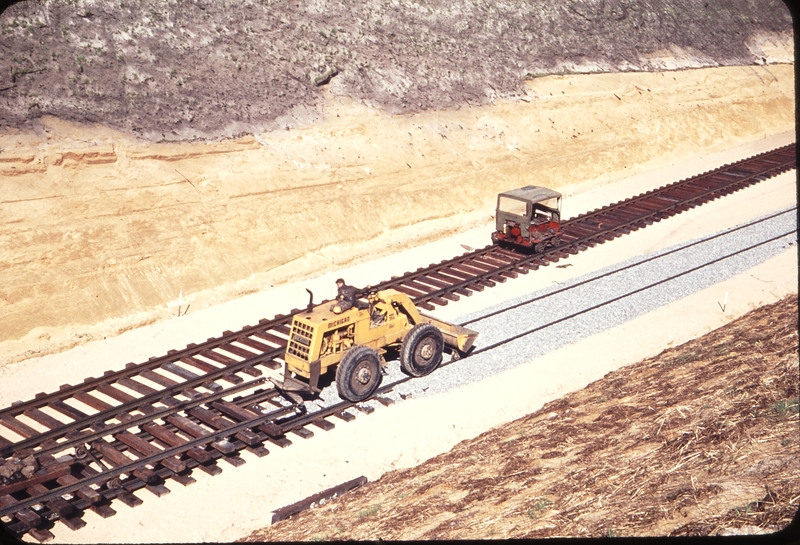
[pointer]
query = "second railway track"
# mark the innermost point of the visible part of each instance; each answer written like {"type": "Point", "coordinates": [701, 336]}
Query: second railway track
{"type": "Point", "coordinates": [88, 444]}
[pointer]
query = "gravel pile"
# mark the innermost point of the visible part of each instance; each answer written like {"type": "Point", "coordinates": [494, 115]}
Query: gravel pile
{"type": "Point", "coordinates": [519, 330]}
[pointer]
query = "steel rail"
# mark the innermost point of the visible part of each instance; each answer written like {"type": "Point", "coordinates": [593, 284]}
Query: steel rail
{"type": "Point", "coordinates": [144, 419]}
{"type": "Point", "coordinates": [680, 206]}
{"type": "Point", "coordinates": [138, 464]}
{"type": "Point", "coordinates": [485, 280]}
{"type": "Point", "coordinates": [637, 263]}
{"type": "Point", "coordinates": [147, 400]}
{"type": "Point", "coordinates": [628, 294]}
{"type": "Point", "coordinates": [153, 363]}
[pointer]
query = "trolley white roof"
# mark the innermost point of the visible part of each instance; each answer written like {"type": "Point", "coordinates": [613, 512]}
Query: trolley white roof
{"type": "Point", "coordinates": [532, 193]}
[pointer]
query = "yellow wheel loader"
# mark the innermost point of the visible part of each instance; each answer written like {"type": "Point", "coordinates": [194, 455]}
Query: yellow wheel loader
{"type": "Point", "coordinates": [354, 341]}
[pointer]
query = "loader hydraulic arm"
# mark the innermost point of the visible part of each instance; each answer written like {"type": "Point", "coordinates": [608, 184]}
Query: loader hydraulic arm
{"type": "Point", "coordinates": [409, 310]}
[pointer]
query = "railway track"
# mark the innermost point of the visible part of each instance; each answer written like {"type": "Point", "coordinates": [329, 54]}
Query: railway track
{"type": "Point", "coordinates": [87, 445]}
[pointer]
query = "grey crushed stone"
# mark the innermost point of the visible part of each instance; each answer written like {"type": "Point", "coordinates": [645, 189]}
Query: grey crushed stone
{"type": "Point", "coordinates": [523, 314]}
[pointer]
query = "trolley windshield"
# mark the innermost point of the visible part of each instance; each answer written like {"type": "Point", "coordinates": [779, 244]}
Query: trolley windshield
{"type": "Point", "coordinates": [549, 204]}
{"type": "Point", "coordinates": [512, 206]}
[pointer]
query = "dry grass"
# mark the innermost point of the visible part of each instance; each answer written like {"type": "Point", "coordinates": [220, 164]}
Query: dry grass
{"type": "Point", "coordinates": [697, 440]}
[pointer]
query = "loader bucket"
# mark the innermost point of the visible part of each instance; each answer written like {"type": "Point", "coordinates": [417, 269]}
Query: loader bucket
{"type": "Point", "coordinates": [455, 336]}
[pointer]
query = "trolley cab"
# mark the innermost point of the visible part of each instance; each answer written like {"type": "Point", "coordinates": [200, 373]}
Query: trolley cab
{"type": "Point", "coordinates": [528, 217]}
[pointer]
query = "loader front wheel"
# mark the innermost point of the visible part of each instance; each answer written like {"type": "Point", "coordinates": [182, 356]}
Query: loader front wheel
{"type": "Point", "coordinates": [421, 352]}
{"type": "Point", "coordinates": [358, 374]}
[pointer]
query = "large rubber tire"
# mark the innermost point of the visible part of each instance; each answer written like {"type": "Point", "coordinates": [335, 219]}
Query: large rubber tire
{"type": "Point", "coordinates": [358, 374]}
{"type": "Point", "coordinates": [421, 351]}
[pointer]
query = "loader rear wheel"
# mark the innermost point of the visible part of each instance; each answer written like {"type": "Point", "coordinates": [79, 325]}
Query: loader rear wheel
{"type": "Point", "coordinates": [358, 374]}
{"type": "Point", "coordinates": [421, 352]}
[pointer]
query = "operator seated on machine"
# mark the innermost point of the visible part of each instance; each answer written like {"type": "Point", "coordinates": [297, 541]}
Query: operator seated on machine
{"type": "Point", "coordinates": [348, 297]}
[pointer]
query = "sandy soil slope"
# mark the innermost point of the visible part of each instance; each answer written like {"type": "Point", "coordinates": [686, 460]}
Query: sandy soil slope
{"type": "Point", "coordinates": [102, 233]}
{"type": "Point", "coordinates": [700, 439]}
{"type": "Point", "coordinates": [239, 501]}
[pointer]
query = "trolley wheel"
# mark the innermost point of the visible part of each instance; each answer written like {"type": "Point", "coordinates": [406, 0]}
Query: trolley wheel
{"type": "Point", "coordinates": [358, 374]}
{"type": "Point", "coordinates": [421, 351]}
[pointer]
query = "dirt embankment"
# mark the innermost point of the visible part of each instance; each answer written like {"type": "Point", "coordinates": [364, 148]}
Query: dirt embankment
{"type": "Point", "coordinates": [204, 69]}
{"type": "Point", "coordinates": [101, 232]}
{"type": "Point", "coordinates": [699, 440]}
